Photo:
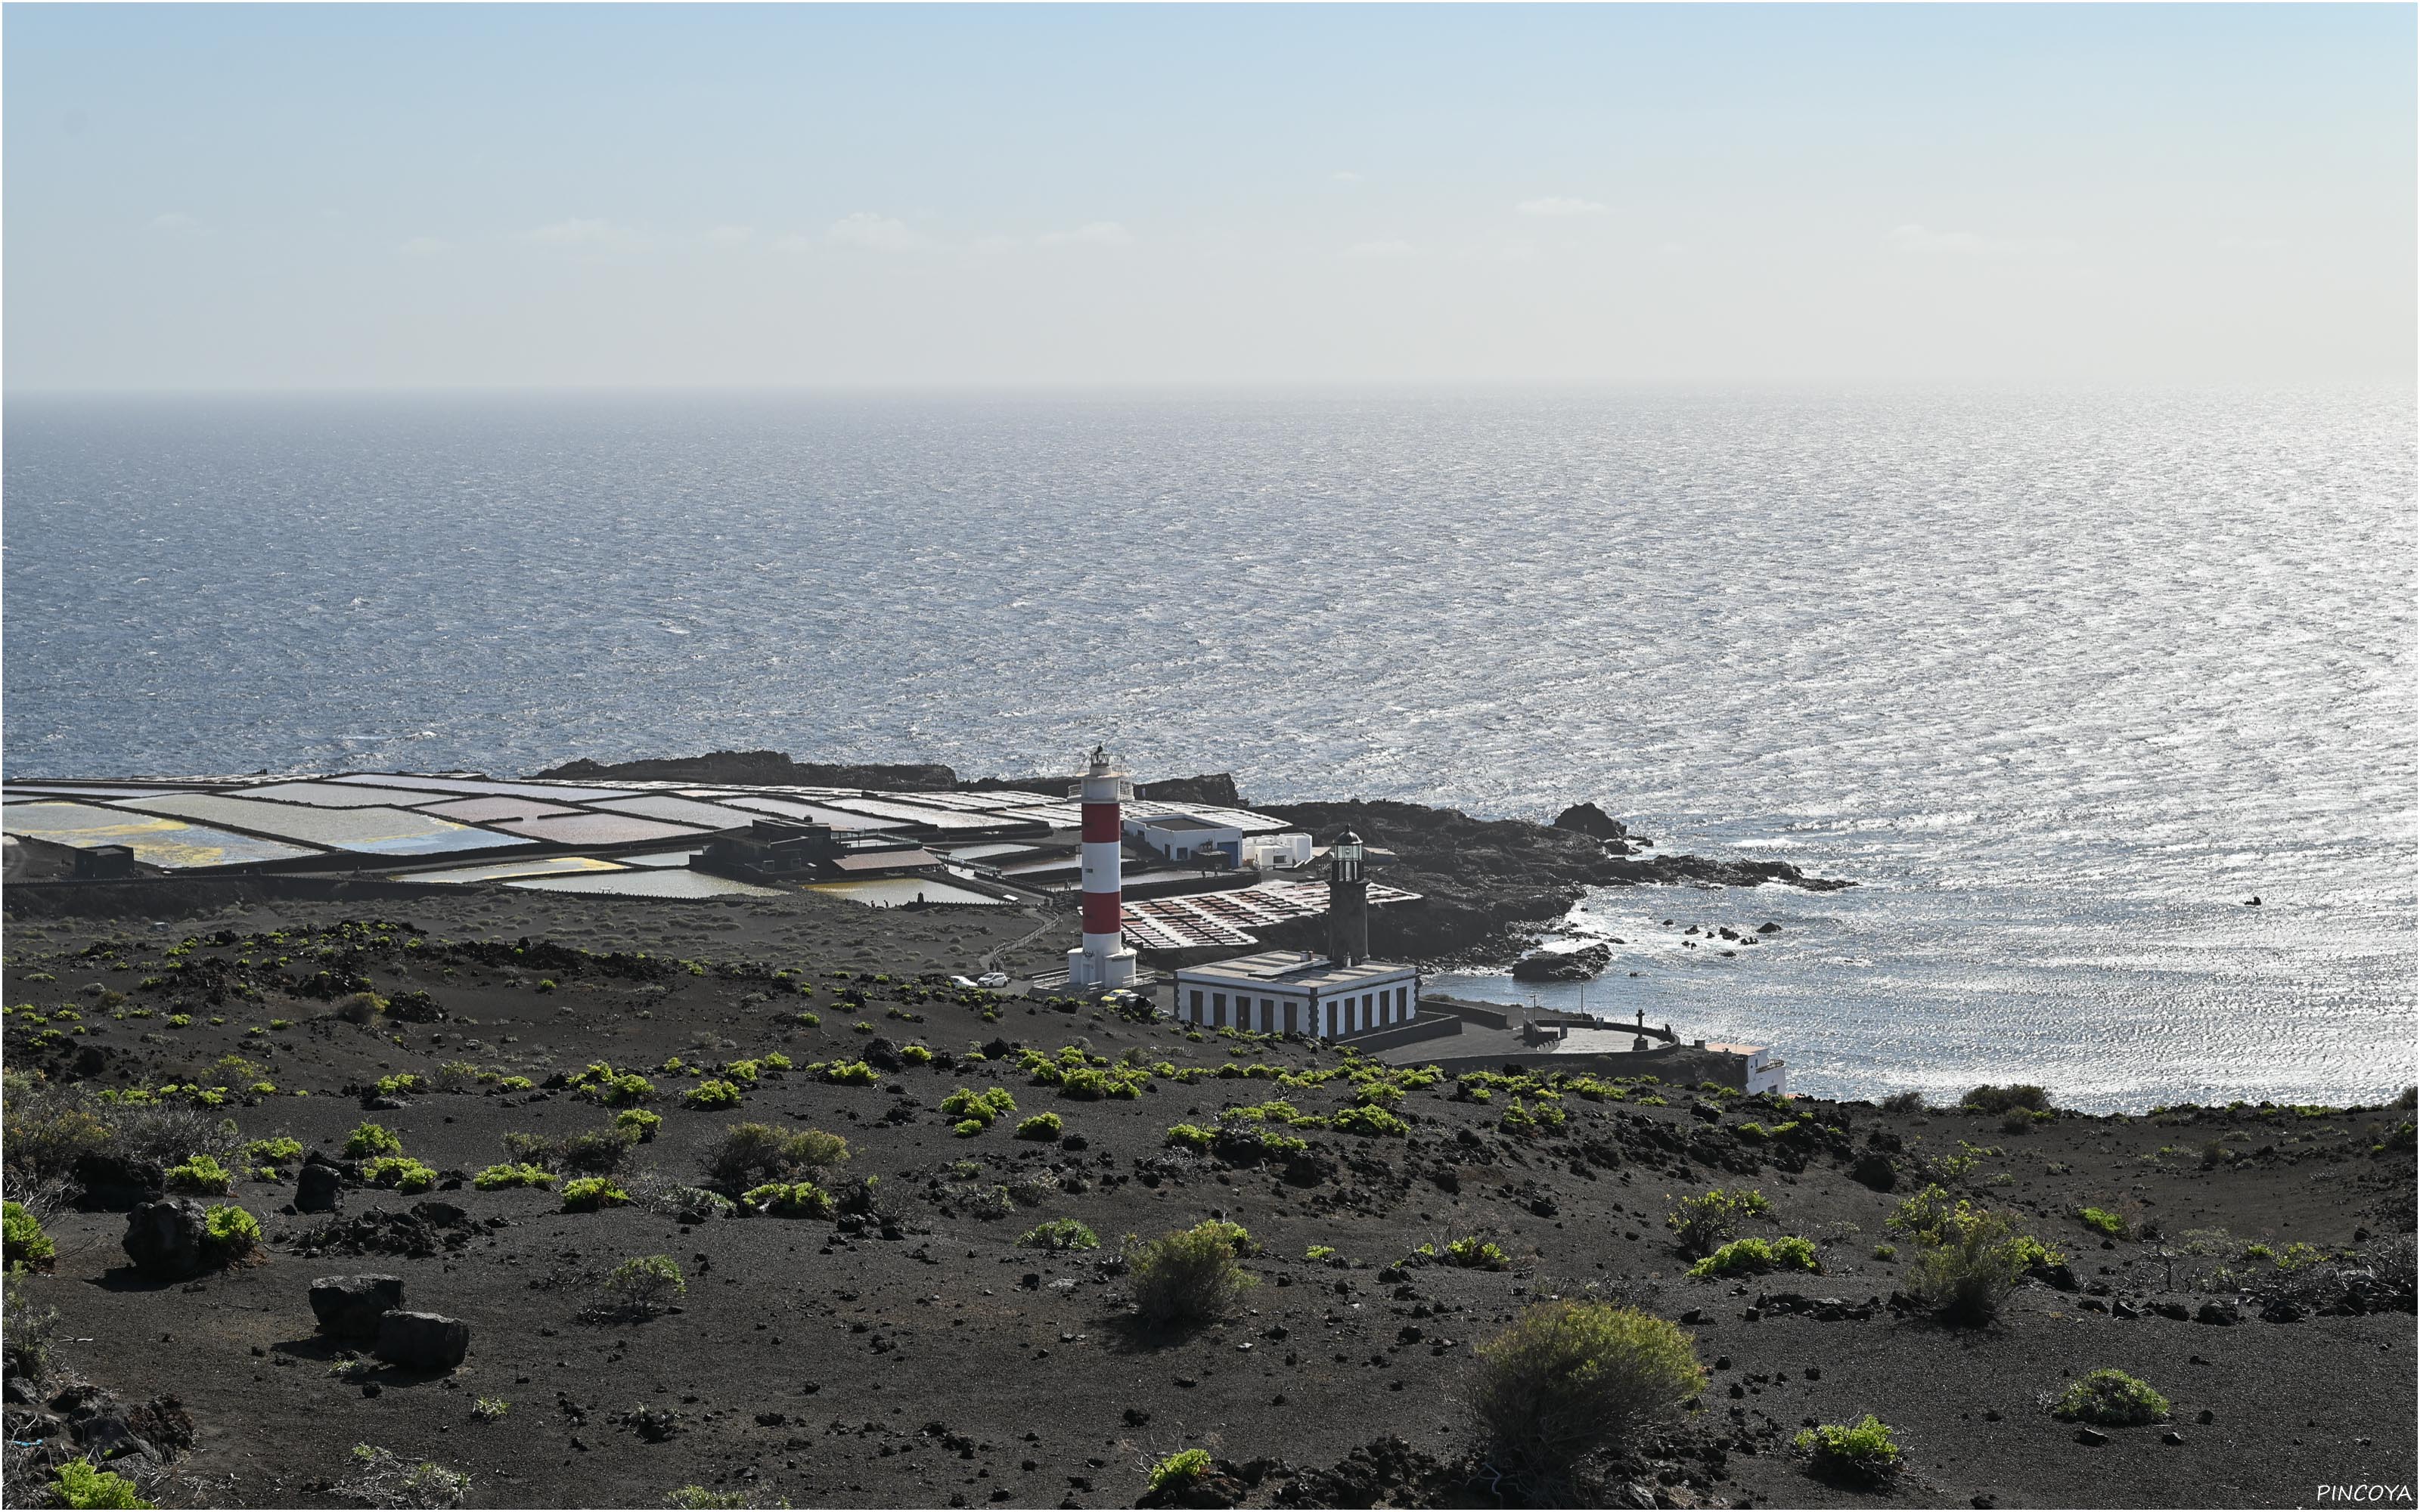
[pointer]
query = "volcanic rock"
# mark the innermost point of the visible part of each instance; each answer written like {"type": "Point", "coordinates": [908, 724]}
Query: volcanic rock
{"type": "Point", "coordinates": [115, 1184]}
{"type": "Point", "coordinates": [1589, 819]}
{"type": "Point", "coordinates": [349, 1306]}
{"type": "Point", "coordinates": [422, 1341]}
{"type": "Point", "coordinates": [758, 768]}
{"type": "Point", "coordinates": [1582, 964]}
{"type": "Point", "coordinates": [166, 1238]}
{"type": "Point", "coordinates": [318, 1189]}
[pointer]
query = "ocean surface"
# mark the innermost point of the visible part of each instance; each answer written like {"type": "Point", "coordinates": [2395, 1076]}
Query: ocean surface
{"type": "Point", "coordinates": [2059, 679]}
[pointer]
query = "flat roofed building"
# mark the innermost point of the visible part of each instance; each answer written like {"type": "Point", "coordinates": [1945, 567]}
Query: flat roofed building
{"type": "Point", "coordinates": [1183, 838]}
{"type": "Point", "coordinates": [1764, 1071]}
{"type": "Point", "coordinates": [1288, 992]}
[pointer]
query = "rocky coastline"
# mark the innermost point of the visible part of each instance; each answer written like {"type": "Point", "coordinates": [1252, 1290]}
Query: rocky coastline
{"type": "Point", "coordinates": [1490, 886]}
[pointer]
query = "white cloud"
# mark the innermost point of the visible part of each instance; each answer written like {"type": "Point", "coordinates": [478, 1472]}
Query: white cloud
{"type": "Point", "coordinates": [1361, 249]}
{"type": "Point", "coordinates": [1924, 241]}
{"type": "Point", "coordinates": [425, 247]}
{"type": "Point", "coordinates": [876, 232]}
{"type": "Point", "coordinates": [574, 233]}
{"type": "Point", "coordinates": [176, 221]}
{"type": "Point", "coordinates": [1560, 205]}
{"type": "Point", "coordinates": [1090, 234]}
{"type": "Point", "coordinates": [1345, 176]}
{"type": "Point", "coordinates": [728, 236]}
{"type": "Point", "coordinates": [994, 242]}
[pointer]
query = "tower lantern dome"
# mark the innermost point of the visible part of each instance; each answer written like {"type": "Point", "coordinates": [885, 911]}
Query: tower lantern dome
{"type": "Point", "coordinates": [1344, 857]}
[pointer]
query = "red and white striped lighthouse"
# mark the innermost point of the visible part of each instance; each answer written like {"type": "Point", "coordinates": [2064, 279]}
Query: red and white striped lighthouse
{"type": "Point", "coordinates": [1103, 961]}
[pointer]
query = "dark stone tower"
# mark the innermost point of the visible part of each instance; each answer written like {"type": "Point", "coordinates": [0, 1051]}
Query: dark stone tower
{"type": "Point", "coordinates": [1348, 903]}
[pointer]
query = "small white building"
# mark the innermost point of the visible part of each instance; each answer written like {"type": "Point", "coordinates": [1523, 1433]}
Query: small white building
{"type": "Point", "coordinates": [1765, 1071]}
{"type": "Point", "coordinates": [1265, 851]}
{"type": "Point", "coordinates": [1292, 992]}
{"type": "Point", "coordinates": [1183, 837]}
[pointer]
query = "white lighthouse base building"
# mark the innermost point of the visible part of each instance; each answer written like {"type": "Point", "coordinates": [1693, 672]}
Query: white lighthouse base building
{"type": "Point", "coordinates": [1107, 970]}
{"type": "Point", "coordinates": [1289, 991]}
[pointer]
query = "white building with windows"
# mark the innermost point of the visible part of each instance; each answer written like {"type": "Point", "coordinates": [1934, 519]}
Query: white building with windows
{"type": "Point", "coordinates": [1177, 837]}
{"type": "Point", "coordinates": [1293, 992]}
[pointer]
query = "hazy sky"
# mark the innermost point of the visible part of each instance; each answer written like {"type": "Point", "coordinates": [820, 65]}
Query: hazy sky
{"type": "Point", "coordinates": [298, 196]}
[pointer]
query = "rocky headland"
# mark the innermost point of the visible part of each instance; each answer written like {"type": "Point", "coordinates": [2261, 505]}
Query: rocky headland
{"type": "Point", "coordinates": [1490, 885]}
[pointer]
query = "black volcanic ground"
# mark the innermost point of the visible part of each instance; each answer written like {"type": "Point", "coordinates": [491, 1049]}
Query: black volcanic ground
{"type": "Point", "coordinates": [819, 1361]}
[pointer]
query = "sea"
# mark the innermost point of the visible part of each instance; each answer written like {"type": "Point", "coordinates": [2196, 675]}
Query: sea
{"type": "Point", "coordinates": [2062, 680]}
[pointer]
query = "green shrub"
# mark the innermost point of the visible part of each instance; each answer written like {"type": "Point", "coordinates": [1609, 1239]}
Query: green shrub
{"type": "Point", "coordinates": [1190, 1137]}
{"type": "Point", "coordinates": [969, 1127]}
{"type": "Point", "coordinates": [1524, 1123]}
{"type": "Point", "coordinates": [1966, 1276]}
{"type": "Point", "coordinates": [26, 1247]}
{"type": "Point", "coordinates": [1179, 1470]}
{"type": "Point", "coordinates": [1862, 1452]}
{"type": "Point", "coordinates": [2001, 1099]}
{"type": "Point", "coordinates": [593, 1151]}
{"type": "Point", "coordinates": [277, 1152]}
{"type": "Point", "coordinates": [1886, 1252]}
{"type": "Point", "coordinates": [498, 1178]}
{"type": "Point", "coordinates": [1060, 1234]}
{"type": "Point", "coordinates": [230, 1233]}
{"type": "Point", "coordinates": [2110, 1398]}
{"type": "Point", "coordinates": [615, 1089]}
{"type": "Point", "coordinates": [645, 1285]}
{"type": "Point", "coordinates": [1755, 1256]}
{"type": "Point", "coordinates": [640, 1122]}
{"type": "Point", "coordinates": [1089, 1084]}
{"type": "Point", "coordinates": [1569, 1378]}
{"type": "Point", "coordinates": [1320, 1252]}
{"type": "Point", "coordinates": [1925, 1216]}
{"type": "Point", "coordinates": [978, 1108]}
{"type": "Point", "coordinates": [401, 1172]}
{"type": "Point", "coordinates": [2101, 1221]}
{"type": "Point", "coordinates": [200, 1174]}
{"type": "Point", "coordinates": [370, 1139]}
{"type": "Point", "coordinates": [716, 1094]}
{"type": "Point", "coordinates": [590, 1193]}
{"type": "Point", "coordinates": [1702, 1224]}
{"type": "Point", "coordinates": [1471, 1253]}
{"type": "Point", "coordinates": [916, 1054]}
{"type": "Point", "coordinates": [851, 1073]}
{"type": "Point", "coordinates": [1188, 1276]}
{"type": "Point", "coordinates": [80, 1485]}
{"type": "Point", "coordinates": [790, 1200]}
{"type": "Point", "coordinates": [1042, 1127]}
{"type": "Point", "coordinates": [749, 1154]}
{"type": "Point", "coordinates": [514, 1084]}
{"type": "Point", "coordinates": [1368, 1122]}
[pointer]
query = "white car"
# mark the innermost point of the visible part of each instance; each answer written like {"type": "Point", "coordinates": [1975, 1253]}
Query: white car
{"type": "Point", "coordinates": [992, 978]}
{"type": "Point", "coordinates": [961, 981]}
